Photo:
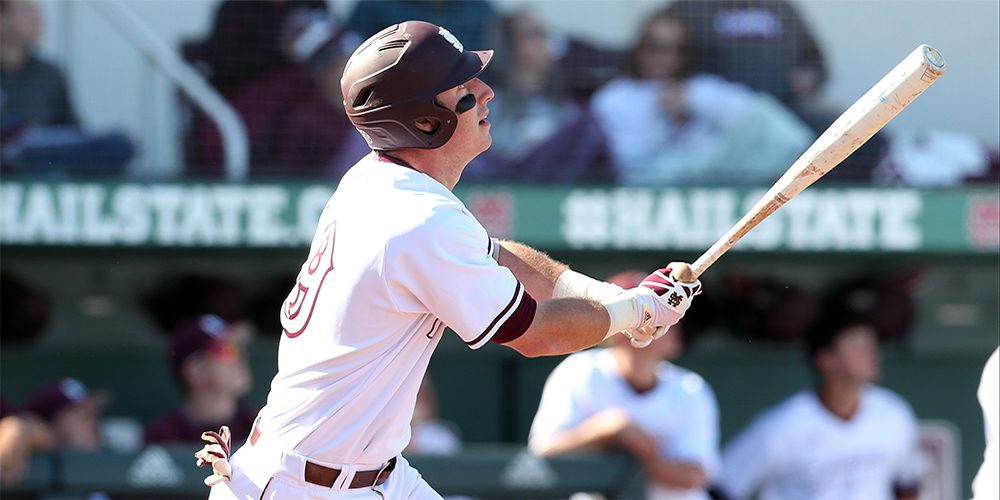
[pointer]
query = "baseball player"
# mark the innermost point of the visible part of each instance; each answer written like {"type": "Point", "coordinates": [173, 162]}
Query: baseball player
{"type": "Point", "coordinates": [846, 440]}
{"type": "Point", "coordinates": [987, 483]}
{"type": "Point", "coordinates": [396, 259]}
{"type": "Point", "coordinates": [634, 399]}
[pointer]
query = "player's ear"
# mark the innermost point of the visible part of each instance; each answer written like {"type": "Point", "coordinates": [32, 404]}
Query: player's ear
{"type": "Point", "coordinates": [427, 125]}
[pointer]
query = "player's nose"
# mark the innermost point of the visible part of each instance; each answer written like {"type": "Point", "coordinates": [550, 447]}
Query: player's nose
{"type": "Point", "coordinates": [487, 94]}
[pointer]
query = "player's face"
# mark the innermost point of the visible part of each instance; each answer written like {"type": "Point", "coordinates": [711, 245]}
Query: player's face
{"type": "Point", "coordinates": [472, 135]}
{"type": "Point", "coordinates": [76, 427]}
{"type": "Point", "coordinates": [669, 346]}
{"type": "Point", "coordinates": [857, 354]}
{"type": "Point", "coordinates": [223, 369]}
{"type": "Point", "coordinates": [661, 54]}
{"type": "Point", "coordinates": [530, 44]}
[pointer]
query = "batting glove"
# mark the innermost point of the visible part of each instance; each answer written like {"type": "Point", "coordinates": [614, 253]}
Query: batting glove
{"type": "Point", "coordinates": [646, 312]}
{"type": "Point", "coordinates": [216, 453]}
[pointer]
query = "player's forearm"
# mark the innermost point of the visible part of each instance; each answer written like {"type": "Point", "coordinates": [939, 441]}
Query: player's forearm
{"type": "Point", "coordinates": [534, 269]}
{"type": "Point", "coordinates": [577, 439]}
{"type": "Point", "coordinates": [562, 326]}
{"type": "Point", "coordinates": [683, 475]}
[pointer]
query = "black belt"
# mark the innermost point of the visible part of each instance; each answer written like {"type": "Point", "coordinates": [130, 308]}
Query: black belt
{"type": "Point", "coordinates": [326, 476]}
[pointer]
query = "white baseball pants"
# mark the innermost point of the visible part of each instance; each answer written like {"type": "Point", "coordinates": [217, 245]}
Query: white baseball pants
{"type": "Point", "coordinates": [262, 474]}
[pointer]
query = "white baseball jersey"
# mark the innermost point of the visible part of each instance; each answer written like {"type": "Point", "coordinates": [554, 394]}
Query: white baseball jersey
{"type": "Point", "coordinates": [680, 412]}
{"type": "Point", "coordinates": [396, 258]}
{"type": "Point", "coordinates": [987, 482]}
{"type": "Point", "coordinates": [798, 449]}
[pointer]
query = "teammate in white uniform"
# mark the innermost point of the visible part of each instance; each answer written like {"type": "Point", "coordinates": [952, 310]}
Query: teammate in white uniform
{"type": "Point", "coordinates": [396, 259]}
{"type": "Point", "coordinates": [986, 485]}
{"type": "Point", "coordinates": [846, 440]}
{"type": "Point", "coordinates": [663, 415]}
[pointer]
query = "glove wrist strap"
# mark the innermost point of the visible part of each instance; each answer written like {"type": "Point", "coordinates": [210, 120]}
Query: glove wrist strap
{"type": "Point", "coordinates": [623, 313]}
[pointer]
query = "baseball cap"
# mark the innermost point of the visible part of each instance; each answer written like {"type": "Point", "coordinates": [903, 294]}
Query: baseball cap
{"type": "Point", "coordinates": [58, 395]}
{"type": "Point", "coordinates": [206, 333]}
{"type": "Point", "coordinates": [628, 279]}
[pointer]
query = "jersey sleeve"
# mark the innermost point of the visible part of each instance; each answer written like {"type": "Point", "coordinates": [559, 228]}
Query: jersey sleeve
{"type": "Point", "coordinates": [908, 468]}
{"type": "Point", "coordinates": [700, 440]}
{"type": "Point", "coordinates": [444, 268]}
{"type": "Point", "coordinates": [746, 459]}
{"type": "Point", "coordinates": [562, 405]}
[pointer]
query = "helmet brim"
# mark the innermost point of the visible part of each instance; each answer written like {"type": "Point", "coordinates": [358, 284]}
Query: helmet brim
{"type": "Point", "coordinates": [473, 63]}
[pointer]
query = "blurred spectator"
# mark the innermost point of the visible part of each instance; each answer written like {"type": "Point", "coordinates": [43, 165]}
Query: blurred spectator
{"type": "Point", "coordinates": [769, 309]}
{"type": "Point", "coordinates": [539, 134]}
{"type": "Point", "coordinates": [207, 359]}
{"type": "Point", "coordinates": [294, 115]}
{"type": "Point", "coordinates": [937, 158]}
{"type": "Point", "coordinates": [469, 20]}
{"type": "Point", "coordinates": [72, 412]}
{"type": "Point", "coordinates": [767, 46]}
{"type": "Point", "coordinates": [886, 300]}
{"type": "Point", "coordinates": [670, 125]}
{"type": "Point", "coordinates": [429, 435]}
{"type": "Point", "coordinates": [33, 91]}
{"type": "Point", "coordinates": [243, 45]}
{"type": "Point", "coordinates": [243, 48]}
{"type": "Point", "coordinates": [39, 131]}
{"type": "Point", "coordinates": [986, 485]}
{"type": "Point", "coordinates": [763, 44]}
{"type": "Point", "coordinates": [846, 439]}
{"type": "Point", "coordinates": [21, 435]}
{"type": "Point", "coordinates": [317, 137]}
{"type": "Point", "coordinates": [636, 400]}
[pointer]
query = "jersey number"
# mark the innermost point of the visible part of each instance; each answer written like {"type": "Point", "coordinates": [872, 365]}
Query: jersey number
{"type": "Point", "coordinates": [301, 301]}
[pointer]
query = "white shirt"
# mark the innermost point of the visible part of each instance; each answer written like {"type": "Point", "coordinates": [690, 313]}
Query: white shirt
{"type": "Point", "coordinates": [396, 258]}
{"type": "Point", "coordinates": [680, 411]}
{"type": "Point", "coordinates": [798, 450]}
{"type": "Point", "coordinates": [985, 485]}
{"type": "Point", "coordinates": [732, 134]}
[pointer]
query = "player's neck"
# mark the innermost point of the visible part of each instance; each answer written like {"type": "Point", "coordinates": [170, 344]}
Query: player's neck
{"type": "Point", "coordinates": [210, 408]}
{"type": "Point", "coordinates": [13, 57]}
{"type": "Point", "coordinates": [639, 372]}
{"type": "Point", "coordinates": [840, 398]}
{"type": "Point", "coordinates": [441, 167]}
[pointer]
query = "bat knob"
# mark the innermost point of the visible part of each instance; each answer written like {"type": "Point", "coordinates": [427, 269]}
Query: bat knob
{"type": "Point", "coordinates": [681, 271]}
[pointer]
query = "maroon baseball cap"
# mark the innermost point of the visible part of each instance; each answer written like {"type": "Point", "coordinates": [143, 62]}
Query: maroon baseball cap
{"type": "Point", "coordinates": [56, 396]}
{"type": "Point", "coordinates": [204, 333]}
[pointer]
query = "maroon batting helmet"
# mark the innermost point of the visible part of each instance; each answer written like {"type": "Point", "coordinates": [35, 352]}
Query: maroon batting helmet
{"type": "Point", "coordinates": [392, 79]}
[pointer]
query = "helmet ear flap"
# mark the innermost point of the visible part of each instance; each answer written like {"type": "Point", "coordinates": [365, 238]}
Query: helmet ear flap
{"type": "Point", "coordinates": [427, 125]}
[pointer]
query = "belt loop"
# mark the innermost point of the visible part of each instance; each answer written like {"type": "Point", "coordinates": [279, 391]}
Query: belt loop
{"type": "Point", "coordinates": [344, 479]}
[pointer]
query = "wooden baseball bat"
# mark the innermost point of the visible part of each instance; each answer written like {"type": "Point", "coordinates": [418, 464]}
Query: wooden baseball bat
{"type": "Point", "coordinates": [854, 127]}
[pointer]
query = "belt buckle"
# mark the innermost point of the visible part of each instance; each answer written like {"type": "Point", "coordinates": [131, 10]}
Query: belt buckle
{"type": "Point", "coordinates": [380, 471]}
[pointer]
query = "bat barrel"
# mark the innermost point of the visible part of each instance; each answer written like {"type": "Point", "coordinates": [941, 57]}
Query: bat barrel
{"type": "Point", "coordinates": [895, 91]}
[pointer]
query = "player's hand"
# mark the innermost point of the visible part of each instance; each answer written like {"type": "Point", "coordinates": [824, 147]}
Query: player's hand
{"type": "Point", "coordinates": [670, 300]}
{"type": "Point", "coordinates": [616, 428]}
{"type": "Point", "coordinates": [673, 100]}
{"type": "Point", "coordinates": [216, 453]}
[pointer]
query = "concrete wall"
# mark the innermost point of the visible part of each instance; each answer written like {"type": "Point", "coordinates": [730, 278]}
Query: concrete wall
{"type": "Point", "coordinates": [113, 86]}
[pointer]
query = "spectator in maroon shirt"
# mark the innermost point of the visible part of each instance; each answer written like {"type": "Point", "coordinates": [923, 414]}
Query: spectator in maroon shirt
{"type": "Point", "coordinates": [207, 360]}
{"type": "Point", "coordinates": [294, 116]}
